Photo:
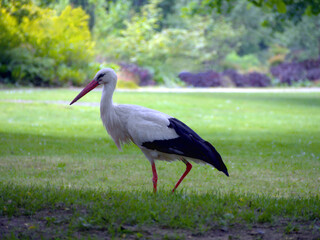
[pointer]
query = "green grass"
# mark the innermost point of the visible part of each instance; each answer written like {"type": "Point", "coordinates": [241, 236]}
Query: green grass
{"type": "Point", "coordinates": [55, 153]}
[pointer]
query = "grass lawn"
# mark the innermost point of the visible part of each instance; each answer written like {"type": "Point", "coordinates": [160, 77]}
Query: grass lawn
{"type": "Point", "coordinates": [61, 174]}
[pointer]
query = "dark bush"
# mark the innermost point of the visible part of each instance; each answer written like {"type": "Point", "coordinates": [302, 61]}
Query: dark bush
{"type": "Point", "coordinates": [311, 63]}
{"type": "Point", "coordinates": [291, 72]}
{"type": "Point", "coordinates": [235, 77]}
{"type": "Point", "coordinates": [255, 79]}
{"type": "Point", "coordinates": [202, 79]}
{"type": "Point", "coordinates": [313, 74]}
{"type": "Point", "coordinates": [215, 79]}
{"type": "Point", "coordinates": [144, 76]}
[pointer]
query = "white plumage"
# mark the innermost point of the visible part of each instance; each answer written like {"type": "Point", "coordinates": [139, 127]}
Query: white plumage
{"type": "Point", "coordinates": [157, 134]}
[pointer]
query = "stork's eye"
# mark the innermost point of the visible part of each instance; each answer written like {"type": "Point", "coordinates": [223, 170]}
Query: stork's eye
{"type": "Point", "coordinates": [100, 76]}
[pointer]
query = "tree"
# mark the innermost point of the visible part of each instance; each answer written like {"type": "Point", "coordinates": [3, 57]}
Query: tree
{"type": "Point", "coordinates": [303, 38]}
{"type": "Point", "coordinates": [199, 42]}
{"type": "Point", "coordinates": [254, 38]}
{"type": "Point", "coordinates": [283, 10]}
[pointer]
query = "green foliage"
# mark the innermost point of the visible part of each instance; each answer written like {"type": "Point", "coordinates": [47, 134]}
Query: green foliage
{"type": "Point", "coordinates": [10, 36]}
{"type": "Point", "coordinates": [303, 38]}
{"type": "Point", "coordinates": [283, 10]}
{"type": "Point", "coordinates": [211, 39]}
{"type": "Point", "coordinates": [254, 38]}
{"type": "Point", "coordinates": [27, 68]}
{"type": "Point", "coordinates": [197, 40]}
{"type": "Point", "coordinates": [139, 42]}
{"type": "Point", "coordinates": [110, 22]}
{"type": "Point", "coordinates": [49, 43]}
{"type": "Point", "coordinates": [45, 48]}
{"type": "Point", "coordinates": [265, 23]}
{"type": "Point", "coordinates": [242, 63]}
{"type": "Point", "coordinates": [133, 42]}
{"type": "Point", "coordinates": [202, 39]}
{"type": "Point", "coordinates": [277, 54]}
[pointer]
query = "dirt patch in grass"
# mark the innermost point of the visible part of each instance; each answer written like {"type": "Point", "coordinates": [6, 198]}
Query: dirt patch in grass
{"type": "Point", "coordinates": [281, 230]}
{"type": "Point", "coordinates": [50, 224]}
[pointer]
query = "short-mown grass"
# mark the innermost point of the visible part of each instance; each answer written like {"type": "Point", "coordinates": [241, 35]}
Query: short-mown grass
{"type": "Point", "coordinates": [53, 154]}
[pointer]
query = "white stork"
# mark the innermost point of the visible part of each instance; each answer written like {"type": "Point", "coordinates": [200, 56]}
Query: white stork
{"type": "Point", "coordinates": [158, 135]}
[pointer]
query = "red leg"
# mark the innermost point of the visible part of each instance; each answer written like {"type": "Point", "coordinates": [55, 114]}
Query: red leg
{"type": "Point", "coordinates": [189, 166]}
{"type": "Point", "coordinates": [155, 177]}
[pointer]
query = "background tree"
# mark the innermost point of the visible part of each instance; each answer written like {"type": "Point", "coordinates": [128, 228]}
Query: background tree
{"type": "Point", "coordinates": [201, 40]}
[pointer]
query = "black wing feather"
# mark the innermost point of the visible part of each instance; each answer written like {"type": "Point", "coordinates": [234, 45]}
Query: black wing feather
{"type": "Point", "coordinates": [188, 144]}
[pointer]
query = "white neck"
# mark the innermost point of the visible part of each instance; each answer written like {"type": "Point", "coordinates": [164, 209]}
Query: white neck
{"type": "Point", "coordinates": [106, 104]}
{"type": "Point", "coordinates": [109, 116]}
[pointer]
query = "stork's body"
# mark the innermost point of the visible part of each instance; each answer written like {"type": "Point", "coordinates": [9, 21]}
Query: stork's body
{"type": "Point", "coordinates": [158, 135]}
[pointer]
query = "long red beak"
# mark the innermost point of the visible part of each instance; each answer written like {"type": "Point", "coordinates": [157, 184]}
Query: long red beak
{"type": "Point", "coordinates": [84, 91]}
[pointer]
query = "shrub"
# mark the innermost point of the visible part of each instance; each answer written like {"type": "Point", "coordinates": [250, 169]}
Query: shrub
{"type": "Point", "coordinates": [276, 60]}
{"type": "Point", "coordinates": [214, 79]}
{"type": "Point", "coordinates": [24, 68]}
{"type": "Point", "coordinates": [292, 72]}
{"type": "Point", "coordinates": [255, 79]}
{"type": "Point", "coordinates": [244, 63]}
{"type": "Point", "coordinates": [313, 74]}
{"type": "Point", "coordinates": [43, 48]}
{"type": "Point", "coordinates": [278, 54]}
{"type": "Point", "coordinates": [202, 79]}
{"type": "Point", "coordinates": [236, 78]}
{"type": "Point", "coordinates": [288, 72]}
{"type": "Point", "coordinates": [140, 75]}
{"type": "Point", "coordinates": [311, 64]}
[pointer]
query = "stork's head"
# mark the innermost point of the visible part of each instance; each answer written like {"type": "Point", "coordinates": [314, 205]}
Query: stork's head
{"type": "Point", "coordinates": [106, 76]}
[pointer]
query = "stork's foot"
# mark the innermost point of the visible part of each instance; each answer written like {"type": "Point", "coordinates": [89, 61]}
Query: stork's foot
{"type": "Point", "coordinates": [189, 166]}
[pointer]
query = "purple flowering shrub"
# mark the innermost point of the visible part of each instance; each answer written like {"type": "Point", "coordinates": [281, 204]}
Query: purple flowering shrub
{"type": "Point", "coordinates": [291, 72]}
{"type": "Point", "coordinates": [202, 79]}
{"type": "Point", "coordinates": [144, 77]}
{"type": "Point", "coordinates": [215, 79]}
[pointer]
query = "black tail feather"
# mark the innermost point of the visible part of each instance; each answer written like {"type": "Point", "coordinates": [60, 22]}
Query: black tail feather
{"type": "Point", "coordinates": [215, 159]}
{"type": "Point", "coordinates": [188, 144]}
